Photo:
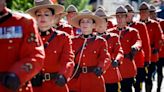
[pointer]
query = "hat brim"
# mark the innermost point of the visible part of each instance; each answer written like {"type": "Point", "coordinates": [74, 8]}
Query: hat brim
{"type": "Point", "coordinates": [58, 9]}
{"type": "Point", "coordinates": [114, 15]}
{"type": "Point", "coordinates": [63, 14]}
{"type": "Point", "coordinates": [75, 21]}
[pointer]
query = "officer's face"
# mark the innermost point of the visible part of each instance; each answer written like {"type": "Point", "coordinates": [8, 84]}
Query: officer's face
{"type": "Point", "coordinates": [86, 25]}
{"type": "Point", "coordinates": [102, 27]}
{"type": "Point", "coordinates": [121, 19]}
{"type": "Point", "coordinates": [44, 18]}
{"type": "Point", "coordinates": [70, 15]}
{"type": "Point", "coordinates": [2, 4]}
{"type": "Point", "coordinates": [144, 14]}
{"type": "Point", "coordinates": [130, 16]}
{"type": "Point", "coordinates": [153, 15]}
{"type": "Point", "coordinates": [2, 1]}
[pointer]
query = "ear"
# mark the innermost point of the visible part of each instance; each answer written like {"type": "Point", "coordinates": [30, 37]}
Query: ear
{"type": "Point", "coordinates": [55, 18]}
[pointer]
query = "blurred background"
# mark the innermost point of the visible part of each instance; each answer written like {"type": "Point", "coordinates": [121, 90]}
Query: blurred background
{"type": "Point", "coordinates": [109, 5]}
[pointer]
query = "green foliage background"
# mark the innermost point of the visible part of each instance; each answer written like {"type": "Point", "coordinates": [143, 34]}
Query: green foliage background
{"type": "Point", "coordinates": [23, 5]}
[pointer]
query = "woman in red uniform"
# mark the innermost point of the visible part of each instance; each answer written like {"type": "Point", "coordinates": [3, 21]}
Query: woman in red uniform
{"type": "Point", "coordinates": [131, 44]}
{"type": "Point", "coordinates": [91, 55]}
{"type": "Point", "coordinates": [112, 75]}
{"type": "Point", "coordinates": [58, 64]}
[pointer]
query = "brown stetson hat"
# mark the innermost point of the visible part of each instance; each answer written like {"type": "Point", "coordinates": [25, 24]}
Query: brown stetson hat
{"type": "Point", "coordinates": [121, 9]}
{"type": "Point", "coordinates": [85, 14]}
{"type": "Point", "coordinates": [71, 8]}
{"type": "Point", "coordinates": [153, 9]}
{"type": "Point", "coordinates": [45, 4]}
{"type": "Point", "coordinates": [101, 13]}
{"type": "Point", "coordinates": [144, 6]}
{"type": "Point", "coordinates": [129, 8]}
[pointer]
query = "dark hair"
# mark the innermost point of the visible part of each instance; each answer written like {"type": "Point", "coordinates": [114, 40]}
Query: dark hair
{"type": "Point", "coordinates": [52, 11]}
{"type": "Point", "coordinates": [92, 20]}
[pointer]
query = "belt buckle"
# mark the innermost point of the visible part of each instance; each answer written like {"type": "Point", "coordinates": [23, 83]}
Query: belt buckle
{"type": "Point", "coordinates": [47, 77]}
{"type": "Point", "coordinates": [84, 69]}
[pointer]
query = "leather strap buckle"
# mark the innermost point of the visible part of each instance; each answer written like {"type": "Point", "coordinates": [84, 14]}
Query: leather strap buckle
{"type": "Point", "coordinates": [84, 69]}
{"type": "Point", "coordinates": [47, 76]}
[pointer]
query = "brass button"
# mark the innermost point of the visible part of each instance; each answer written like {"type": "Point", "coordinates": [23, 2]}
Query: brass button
{"type": "Point", "coordinates": [84, 64]}
{"type": "Point", "coordinates": [43, 69]}
{"type": "Point", "coordinates": [10, 47]}
{"type": "Point", "coordinates": [55, 51]}
{"type": "Point", "coordinates": [83, 55]}
{"type": "Point", "coordinates": [27, 88]}
{"type": "Point", "coordinates": [10, 41]}
{"type": "Point", "coordinates": [20, 89]}
{"type": "Point", "coordinates": [43, 39]}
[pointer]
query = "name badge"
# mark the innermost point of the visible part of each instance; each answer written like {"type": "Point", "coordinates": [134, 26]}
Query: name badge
{"type": "Point", "coordinates": [11, 32]}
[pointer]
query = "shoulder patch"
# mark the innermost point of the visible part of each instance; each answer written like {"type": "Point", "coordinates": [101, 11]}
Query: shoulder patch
{"type": "Point", "coordinates": [113, 34]}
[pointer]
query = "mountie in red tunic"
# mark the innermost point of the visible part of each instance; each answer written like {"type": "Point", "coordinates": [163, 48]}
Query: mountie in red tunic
{"type": "Point", "coordinates": [110, 24]}
{"type": "Point", "coordinates": [145, 54]}
{"type": "Point", "coordinates": [112, 74]}
{"type": "Point", "coordinates": [65, 27]}
{"type": "Point", "coordinates": [129, 38]}
{"type": "Point", "coordinates": [58, 61]}
{"type": "Point", "coordinates": [161, 51]}
{"type": "Point", "coordinates": [93, 55]}
{"type": "Point", "coordinates": [22, 51]}
{"type": "Point", "coordinates": [155, 35]}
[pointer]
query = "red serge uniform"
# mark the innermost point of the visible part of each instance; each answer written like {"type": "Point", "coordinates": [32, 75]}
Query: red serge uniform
{"type": "Point", "coordinates": [155, 36]}
{"type": "Point", "coordinates": [129, 38]}
{"type": "Point", "coordinates": [161, 51]}
{"type": "Point", "coordinates": [22, 51]}
{"type": "Point", "coordinates": [146, 55]}
{"type": "Point", "coordinates": [66, 28]}
{"type": "Point", "coordinates": [116, 52]}
{"type": "Point", "coordinates": [110, 25]}
{"type": "Point", "coordinates": [59, 60]}
{"type": "Point", "coordinates": [95, 54]}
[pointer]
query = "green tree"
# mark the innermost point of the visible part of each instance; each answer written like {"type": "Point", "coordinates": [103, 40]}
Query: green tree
{"type": "Point", "coordinates": [20, 5]}
{"type": "Point", "coordinates": [23, 5]}
{"type": "Point", "coordinates": [80, 4]}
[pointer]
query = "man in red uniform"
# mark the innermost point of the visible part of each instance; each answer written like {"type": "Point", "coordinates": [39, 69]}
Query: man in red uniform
{"type": "Point", "coordinates": [112, 75]}
{"type": "Point", "coordinates": [110, 24]}
{"type": "Point", "coordinates": [72, 12]}
{"type": "Point", "coordinates": [22, 52]}
{"type": "Point", "coordinates": [61, 24]}
{"type": "Point", "coordinates": [91, 55]}
{"type": "Point", "coordinates": [155, 36]}
{"type": "Point", "coordinates": [142, 57]}
{"type": "Point", "coordinates": [160, 63]}
{"type": "Point", "coordinates": [131, 44]}
{"type": "Point", "coordinates": [58, 65]}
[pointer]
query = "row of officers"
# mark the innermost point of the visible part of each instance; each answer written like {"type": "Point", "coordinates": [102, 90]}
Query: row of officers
{"type": "Point", "coordinates": [84, 53]}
